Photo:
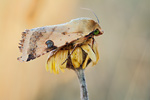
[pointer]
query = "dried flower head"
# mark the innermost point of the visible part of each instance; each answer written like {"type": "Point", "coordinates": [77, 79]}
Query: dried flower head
{"type": "Point", "coordinates": [73, 58]}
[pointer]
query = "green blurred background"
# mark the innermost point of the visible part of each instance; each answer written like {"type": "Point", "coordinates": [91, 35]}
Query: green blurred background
{"type": "Point", "coordinates": [123, 72]}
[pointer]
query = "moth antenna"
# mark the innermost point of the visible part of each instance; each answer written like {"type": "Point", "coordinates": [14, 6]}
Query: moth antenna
{"type": "Point", "coordinates": [92, 12]}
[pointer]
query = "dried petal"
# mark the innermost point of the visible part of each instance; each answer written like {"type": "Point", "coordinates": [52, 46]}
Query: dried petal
{"type": "Point", "coordinates": [47, 67]}
{"type": "Point", "coordinates": [54, 68]}
{"type": "Point", "coordinates": [96, 52]}
{"type": "Point", "coordinates": [63, 55]}
{"type": "Point", "coordinates": [54, 62]}
{"type": "Point", "coordinates": [85, 62]}
{"type": "Point", "coordinates": [89, 51]}
{"type": "Point", "coordinates": [76, 57]}
{"type": "Point", "coordinates": [50, 65]}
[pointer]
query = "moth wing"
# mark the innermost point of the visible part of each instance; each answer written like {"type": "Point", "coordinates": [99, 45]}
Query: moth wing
{"type": "Point", "coordinates": [33, 43]}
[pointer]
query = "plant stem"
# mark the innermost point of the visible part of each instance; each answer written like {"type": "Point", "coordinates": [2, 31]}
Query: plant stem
{"type": "Point", "coordinates": [82, 81]}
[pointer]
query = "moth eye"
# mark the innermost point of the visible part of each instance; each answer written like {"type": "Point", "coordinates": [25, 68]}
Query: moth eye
{"type": "Point", "coordinates": [49, 43]}
{"type": "Point", "coordinates": [96, 32]}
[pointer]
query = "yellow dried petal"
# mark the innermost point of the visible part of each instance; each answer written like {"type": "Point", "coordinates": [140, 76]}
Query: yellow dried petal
{"type": "Point", "coordinates": [85, 62]}
{"type": "Point", "coordinates": [57, 59]}
{"type": "Point", "coordinates": [47, 67]}
{"type": "Point", "coordinates": [77, 57]}
{"type": "Point", "coordinates": [57, 63]}
{"type": "Point", "coordinates": [54, 68]}
{"type": "Point", "coordinates": [54, 62]}
{"type": "Point", "coordinates": [63, 55]}
{"type": "Point", "coordinates": [89, 51]}
{"type": "Point", "coordinates": [95, 49]}
{"type": "Point", "coordinates": [50, 65]}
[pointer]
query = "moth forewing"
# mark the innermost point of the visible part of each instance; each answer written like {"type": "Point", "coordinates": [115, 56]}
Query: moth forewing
{"type": "Point", "coordinates": [34, 40]}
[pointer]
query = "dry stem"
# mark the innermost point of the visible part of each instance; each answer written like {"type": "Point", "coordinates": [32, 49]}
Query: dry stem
{"type": "Point", "coordinates": [82, 81]}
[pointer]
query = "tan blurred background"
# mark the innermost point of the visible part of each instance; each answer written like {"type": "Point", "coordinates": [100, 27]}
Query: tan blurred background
{"type": "Point", "coordinates": [123, 72]}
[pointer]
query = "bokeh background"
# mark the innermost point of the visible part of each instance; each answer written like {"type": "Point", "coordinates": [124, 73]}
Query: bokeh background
{"type": "Point", "coordinates": [123, 72]}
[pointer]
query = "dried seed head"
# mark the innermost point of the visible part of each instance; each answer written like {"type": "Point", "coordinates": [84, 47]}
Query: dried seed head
{"type": "Point", "coordinates": [80, 58]}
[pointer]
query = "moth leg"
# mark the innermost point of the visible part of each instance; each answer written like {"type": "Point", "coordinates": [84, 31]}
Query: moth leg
{"type": "Point", "coordinates": [93, 42]}
{"type": "Point", "coordinates": [70, 54]}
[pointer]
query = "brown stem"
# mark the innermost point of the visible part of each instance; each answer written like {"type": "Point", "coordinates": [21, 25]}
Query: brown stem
{"type": "Point", "coordinates": [83, 87]}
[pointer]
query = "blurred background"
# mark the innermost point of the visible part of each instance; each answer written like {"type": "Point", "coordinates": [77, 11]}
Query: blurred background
{"type": "Point", "coordinates": [123, 72]}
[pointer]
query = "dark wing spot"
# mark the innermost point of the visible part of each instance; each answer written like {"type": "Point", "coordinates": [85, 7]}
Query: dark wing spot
{"type": "Point", "coordinates": [31, 57]}
{"type": "Point", "coordinates": [64, 33]}
{"type": "Point", "coordinates": [49, 43]}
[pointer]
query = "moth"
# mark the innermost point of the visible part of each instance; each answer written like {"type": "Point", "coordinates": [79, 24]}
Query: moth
{"type": "Point", "coordinates": [39, 41]}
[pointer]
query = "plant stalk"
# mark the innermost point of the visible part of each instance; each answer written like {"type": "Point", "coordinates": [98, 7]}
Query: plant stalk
{"type": "Point", "coordinates": [82, 81]}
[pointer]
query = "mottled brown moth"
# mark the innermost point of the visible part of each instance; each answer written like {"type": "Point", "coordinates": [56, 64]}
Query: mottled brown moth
{"type": "Point", "coordinates": [39, 41]}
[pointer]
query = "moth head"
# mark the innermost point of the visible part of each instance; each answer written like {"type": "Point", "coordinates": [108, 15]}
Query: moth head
{"type": "Point", "coordinates": [97, 32]}
{"type": "Point", "coordinates": [86, 26]}
{"type": "Point", "coordinates": [95, 28]}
